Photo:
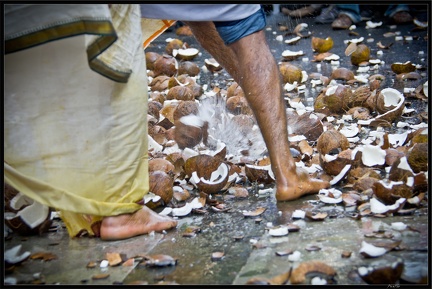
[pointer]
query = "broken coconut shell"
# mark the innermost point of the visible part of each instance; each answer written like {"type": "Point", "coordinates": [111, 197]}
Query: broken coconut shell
{"type": "Point", "coordinates": [188, 67]}
{"type": "Point", "coordinates": [165, 65]}
{"type": "Point", "coordinates": [321, 45]}
{"type": "Point", "coordinates": [290, 73]}
{"type": "Point", "coordinates": [189, 131]}
{"type": "Point", "coordinates": [361, 54]}
{"type": "Point", "coordinates": [389, 274]}
{"type": "Point", "coordinates": [173, 44]}
{"type": "Point", "coordinates": [151, 57]}
{"type": "Point", "coordinates": [180, 93]}
{"type": "Point", "coordinates": [161, 184]}
{"type": "Point", "coordinates": [330, 141]}
{"type": "Point", "coordinates": [217, 181]}
{"type": "Point", "coordinates": [399, 67]}
{"type": "Point", "coordinates": [298, 275]}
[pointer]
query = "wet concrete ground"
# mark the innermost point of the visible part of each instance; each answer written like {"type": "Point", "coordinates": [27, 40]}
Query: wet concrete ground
{"type": "Point", "coordinates": [248, 249]}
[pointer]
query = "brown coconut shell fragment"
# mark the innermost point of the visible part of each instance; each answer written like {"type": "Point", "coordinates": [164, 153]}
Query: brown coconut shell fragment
{"type": "Point", "coordinates": [322, 45]}
{"type": "Point", "coordinates": [330, 141]}
{"type": "Point", "coordinates": [188, 67]}
{"type": "Point", "coordinates": [361, 54]}
{"type": "Point", "coordinates": [290, 73]}
{"type": "Point", "coordinates": [165, 65]}
{"type": "Point", "coordinates": [399, 67]}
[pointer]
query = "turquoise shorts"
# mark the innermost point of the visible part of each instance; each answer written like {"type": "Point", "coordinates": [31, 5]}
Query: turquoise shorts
{"type": "Point", "coordinates": [231, 31]}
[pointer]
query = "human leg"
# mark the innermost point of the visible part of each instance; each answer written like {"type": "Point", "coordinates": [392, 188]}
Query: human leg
{"type": "Point", "coordinates": [250, 62]}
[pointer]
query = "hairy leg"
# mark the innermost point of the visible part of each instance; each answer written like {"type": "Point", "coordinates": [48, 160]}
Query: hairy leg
{"type": "Point", "coordinates": [252, 65]}
{"type": "Point", "coordinates": [130, 225]}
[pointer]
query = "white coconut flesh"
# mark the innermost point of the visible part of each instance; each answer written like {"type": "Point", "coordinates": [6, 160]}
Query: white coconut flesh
{"type": "Point", "coordinates": [398, 226]}
{"type": "Point", "coordinates": [295, 39]}
{"type": "Point", "coordinates": [392, 97]}
{"type": "Point", "coordinates": [350, 131]}
{"type": "Point", "coordinates": [373, 155]}
{"type": "Point", "coordinates": [13, 256]}
{"type": "Point", "coordinates": [186, 52]}
{"type": "Point", "coordinates": [403, 164]}
{"type": "Point", "coordinates": [212, 62]}
{"type": "Point", "coordinates": [331, 90]}
{"type": "Point", "coordinates": [192, 120]}
{"type": "Point", "coordinates": [32, 215]}
{"type": "Point", "coordinates": [19, 201]}
{"type": "Point", "coordinates": [216, 177]}
{"type": "Point", "coordinates": [332, 57]}
{"type": "Point", "coordinates": [279, 231]}
{"type": "Point", "coordinates": [377, 207]}
{"type": "Point", "coordinates": [298, 214]}
{"type": "Point", "coordinates": [151, 197]}
{"type": "Point", "coordinates": [187, 208]}
{"type": "Point", "coordinates": [397, 139]}
{"type": "Point", "coordinates": [323, 195]}
{"type": "Point", "coordinates": [371, 250]}
{"type": "Point", "coordinates": [341, 175]}
{"type": "Point", "coordinates": [289, 53]}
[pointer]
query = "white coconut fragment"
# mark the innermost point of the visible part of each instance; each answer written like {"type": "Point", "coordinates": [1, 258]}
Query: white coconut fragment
{"type": "Point", "coordinates": [373, 155]}
{"type": "Point", "coordinates": [324, 196]}
{"type": "Point", "coordinates": [192, 120]}
{"type": "Point", "coordinates": [292, 54]}
{"type": "Point", "coordinates": [318, 281]}
{"type": "Point", "coordinates": [265, 191]}
{"type": "Point", "coordinates": [290, 86]}
{"type": "Point", "coordinates": [371, 251]}
{"type": "Point", "coordinates": [166, 211]}
{"type": "Point", "coordinates": [104, 264]}
{"type": "Point", "coordinates": [13, 255]}
{"type": "Point", "coordinates": [332, 57]}
{"type": "Point", "coordinates": [350, 130]}
{"type": "Point", "coordinates": [404, 165]}
{"type": "Point", "coordinates": [397, 139]}
{"type": "Point", "coordinates": [187, 208]}
{"type": "Point", "coordinates": [151, 197]}
{"type": "Point", "coordinates": [398, 226]}
{"type": "Point", "coordinates": [153, 145]}
{"type": "Point", "coordinates": [292, 40]}
{"type": "Point", "coordinates": [377, 207]}
{"type": "Point", "coordinates": [278, 231]}
{"type": "Point", "coordinates": [298, 214]}
{"type": "Point", "coordinates": [295, 256]}
{"type": "Point", "coordinates": [354, 40]}
{"type": "Point", "coordinates": [341, 175]}
{"type": "Point", "coordinates": [370, 24]}
{"type": "Point", "coordinates": [426, 89]}
{"type": "Point", "coordinates": [279, 38]}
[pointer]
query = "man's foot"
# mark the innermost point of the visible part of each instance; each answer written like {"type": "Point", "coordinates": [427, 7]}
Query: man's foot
{"type": "Point", "coordinates": [327, 15]}
{"type": "Point", "coordinates": [298, 185]}
{"type": "Point", "coordinates": [141, 222]}
{"type": "Point", "coordinates": [402, 17]}
{"type": "Point", "coordinates": [342, 22]}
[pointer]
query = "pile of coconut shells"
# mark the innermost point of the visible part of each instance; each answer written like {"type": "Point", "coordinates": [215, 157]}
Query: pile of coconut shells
{"type": "Point", "coordinates": [354, 135]}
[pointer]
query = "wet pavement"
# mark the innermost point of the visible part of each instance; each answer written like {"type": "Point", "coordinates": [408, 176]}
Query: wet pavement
{"type": "Point", "coordinates": [249, 251]}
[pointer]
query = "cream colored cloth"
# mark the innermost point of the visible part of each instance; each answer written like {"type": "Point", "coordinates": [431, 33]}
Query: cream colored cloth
{"type": "Point", "coordinates": [74, 139]}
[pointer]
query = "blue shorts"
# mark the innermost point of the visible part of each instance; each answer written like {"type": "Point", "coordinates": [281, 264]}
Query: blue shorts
{"type": "Point", "coordinates": [231, 31]}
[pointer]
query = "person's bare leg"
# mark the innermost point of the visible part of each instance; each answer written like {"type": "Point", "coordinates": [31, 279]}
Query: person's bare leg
{"type": "Point", "coordinates": [250, 62]}
{"type": "Point", "coordinates": [130, 225]}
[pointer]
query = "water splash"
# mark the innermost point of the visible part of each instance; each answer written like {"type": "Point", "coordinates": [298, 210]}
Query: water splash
{"type": "Point", "coordinates": [239, 140]}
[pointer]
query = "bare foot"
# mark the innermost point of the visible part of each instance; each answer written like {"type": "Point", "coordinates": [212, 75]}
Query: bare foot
{"type": "Point", "coordinates": [130, 225]}
{"type": "Point", "coordinates": [296, 185]}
